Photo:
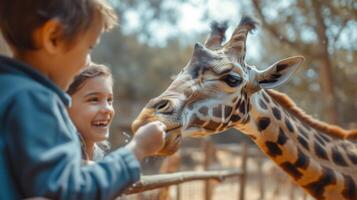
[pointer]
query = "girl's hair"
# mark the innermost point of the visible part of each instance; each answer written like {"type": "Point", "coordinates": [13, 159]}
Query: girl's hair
{"type": "Point", "coordinates": [92, 71]}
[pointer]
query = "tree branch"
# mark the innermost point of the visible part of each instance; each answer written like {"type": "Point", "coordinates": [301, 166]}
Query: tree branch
{"type": "Point", "coordinates": [337, 36]}
{"type": "Point", "coordinates": [270, 28]}
{"type": "Point", "coordinates": [163, 180]}
{"type": "Point", "coordinates": [307, 49]}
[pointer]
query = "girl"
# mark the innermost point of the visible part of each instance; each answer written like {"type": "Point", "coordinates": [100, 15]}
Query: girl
{"type": "Point", "coordinates": [92, 110]}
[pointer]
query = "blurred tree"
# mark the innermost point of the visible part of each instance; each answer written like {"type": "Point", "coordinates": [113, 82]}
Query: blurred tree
{"type": "Point", "coordinates": [150, 13]}
{"type": "Point", "coordinates": [142, 68]}
{"type": "Point", "coordinates": [313, 29]}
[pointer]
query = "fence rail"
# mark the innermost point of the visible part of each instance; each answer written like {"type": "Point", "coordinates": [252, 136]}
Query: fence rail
{"type": "Point", "coordinates": [165, 180]}
{"type": "Point", "coordinates": [170, 184]}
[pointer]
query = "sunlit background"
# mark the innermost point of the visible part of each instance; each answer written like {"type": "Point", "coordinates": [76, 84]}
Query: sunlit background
{"type": "Point", "coordinates": [154, 41]}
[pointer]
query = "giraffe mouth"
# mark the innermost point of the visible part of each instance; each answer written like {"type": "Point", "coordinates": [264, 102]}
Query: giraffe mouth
{"type": "Point", "coordinates": [198, 132]}
{"type": "Point", "coordinates": [173, 129]}
{"type": "Point", "coordinates": [173, 140]}
{"type": "Point", "coordinates": [177, 132]}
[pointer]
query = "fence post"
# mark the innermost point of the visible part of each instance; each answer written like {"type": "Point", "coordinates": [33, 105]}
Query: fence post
{"type": "Point", "coordinates": [292, 191]}
{"type": "Point", "coordinates": [244, 172]}
{"type": "Point", "coordinates": [170, 164]}
{"type": "Point", "coordinates": [208, 152]}
{"type": "Point", "coordinates": [140, 196]}
{"type": "Point", "coordinates": [178, 192]}
{"type": "Point", "coordinates": [261, 178]}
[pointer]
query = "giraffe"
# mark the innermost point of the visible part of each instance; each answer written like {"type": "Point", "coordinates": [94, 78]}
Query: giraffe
{"type": "Point", "coordinates": [218, 90]}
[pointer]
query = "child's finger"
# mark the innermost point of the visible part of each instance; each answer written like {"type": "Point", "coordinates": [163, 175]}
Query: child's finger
{"type": "Point", "coordinates": [163, 126]}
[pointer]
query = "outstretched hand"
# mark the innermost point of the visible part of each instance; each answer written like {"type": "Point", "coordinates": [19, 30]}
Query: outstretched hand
{"type": "Point", "coordinates": [148, 140]}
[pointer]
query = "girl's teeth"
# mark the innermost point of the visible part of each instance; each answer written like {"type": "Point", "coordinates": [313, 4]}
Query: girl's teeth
{"type": "Point", "coordinates": [100, 123]}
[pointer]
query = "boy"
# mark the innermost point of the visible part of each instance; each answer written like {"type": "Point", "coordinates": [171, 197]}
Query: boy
{"type": "Point", "coordinates": [39, 149]}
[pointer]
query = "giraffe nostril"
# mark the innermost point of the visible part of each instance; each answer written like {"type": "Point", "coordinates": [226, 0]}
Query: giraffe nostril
{"type": "Point", "coordinates": [163, 106]}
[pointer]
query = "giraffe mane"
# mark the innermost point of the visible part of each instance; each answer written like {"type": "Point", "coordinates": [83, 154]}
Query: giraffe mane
{"type": "Point", "coordinates": [329, 129]}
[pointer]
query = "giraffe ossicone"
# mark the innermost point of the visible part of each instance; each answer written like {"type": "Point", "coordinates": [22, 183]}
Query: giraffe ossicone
{"type": "Point", "coordinates": [218, 90]}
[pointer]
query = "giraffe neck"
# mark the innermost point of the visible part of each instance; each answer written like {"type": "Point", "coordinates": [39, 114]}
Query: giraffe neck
{"type": "Point", "coordinates": [324, 165]}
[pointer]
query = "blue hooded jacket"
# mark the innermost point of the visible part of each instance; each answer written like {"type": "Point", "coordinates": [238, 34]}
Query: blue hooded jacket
{"type": "Point", "coordinates": [39, 147]}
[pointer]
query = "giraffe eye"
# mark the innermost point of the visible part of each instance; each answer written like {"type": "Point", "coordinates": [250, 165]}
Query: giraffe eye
{"type": "Point", "coordinates": [164, 107]}
{"type": "Point", "coordinates": [232, 80]}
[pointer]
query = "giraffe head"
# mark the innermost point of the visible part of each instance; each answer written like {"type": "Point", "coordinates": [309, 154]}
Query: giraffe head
{"type": "Point", "coordinates": [211, 93]}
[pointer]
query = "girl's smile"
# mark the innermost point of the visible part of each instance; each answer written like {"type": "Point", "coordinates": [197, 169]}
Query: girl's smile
{"type": "Point", "coordinates": [92, 109]}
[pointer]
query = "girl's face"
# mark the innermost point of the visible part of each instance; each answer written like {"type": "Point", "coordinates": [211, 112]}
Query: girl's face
{"type": "Point", "coordinates": [92, 108]}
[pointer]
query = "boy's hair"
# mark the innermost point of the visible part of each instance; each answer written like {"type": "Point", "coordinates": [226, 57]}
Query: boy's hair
{"type": "Point", "coordinates": [93, 70]}
{"type": "Point", "coordinates": [20, 18]}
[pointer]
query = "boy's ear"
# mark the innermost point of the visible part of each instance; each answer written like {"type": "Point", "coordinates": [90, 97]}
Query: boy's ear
{"type": "Point", "coordinates": [49, 36]}
{"type": "Point", "coordinates": [278, 73]}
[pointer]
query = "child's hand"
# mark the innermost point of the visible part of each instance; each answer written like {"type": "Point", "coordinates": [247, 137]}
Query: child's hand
{"type": "Point", "coordinates": [148, 139]}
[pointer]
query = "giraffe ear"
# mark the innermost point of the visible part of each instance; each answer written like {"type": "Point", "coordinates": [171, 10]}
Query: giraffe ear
{"type": "Point", "coordinates": [278, 73]}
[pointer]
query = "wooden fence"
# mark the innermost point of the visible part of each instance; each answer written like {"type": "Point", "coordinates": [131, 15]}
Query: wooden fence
{"type": "Point", "coordinates": [210, 174]}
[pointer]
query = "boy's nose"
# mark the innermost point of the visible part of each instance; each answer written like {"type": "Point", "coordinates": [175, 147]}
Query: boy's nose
{"type": "Point", "coordinates": [88, 60]}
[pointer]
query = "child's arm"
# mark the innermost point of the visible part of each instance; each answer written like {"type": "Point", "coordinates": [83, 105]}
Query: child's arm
{"type": "Point", "coordinates": [44, 152]}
